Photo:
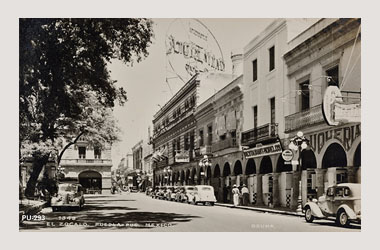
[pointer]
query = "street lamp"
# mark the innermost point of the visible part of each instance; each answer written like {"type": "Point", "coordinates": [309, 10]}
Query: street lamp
{"type": "Point", "coordinates": [168, 171]}
{"type": "Point", "coordinates": [299, 143]}
{"type": "Point", "coordinates": [205, 162]}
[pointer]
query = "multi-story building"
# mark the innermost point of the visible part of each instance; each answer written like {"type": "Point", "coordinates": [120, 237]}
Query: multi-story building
{"type": "Point", "coordinates": [219, 125]}
{"type": "Point", "coordinates": [326, 54]}
{"type": "Point", "coordinates": [264, 69]}
{"type": "Point", "coordinates": [174, 130]}
{"type": "Point", "coordinates": [89, 164]}
{"type": "Point", "coordinates": [137, 152]}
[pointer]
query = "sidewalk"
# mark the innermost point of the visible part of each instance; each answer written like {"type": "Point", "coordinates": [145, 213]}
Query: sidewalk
{"type": "Point", "coordinates": [283, 211]}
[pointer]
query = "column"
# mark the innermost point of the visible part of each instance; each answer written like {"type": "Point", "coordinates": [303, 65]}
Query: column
{"type": "Point", "coordinates": [351, 174]}
{"type": "Point", "coordinates": [296, 191]}
{"type": "Point", "coordinates": [276, 190]}
{"type": "Point", "coordinates": [259, 197]}
{"type": "Point", "coordinates": [320, 173]}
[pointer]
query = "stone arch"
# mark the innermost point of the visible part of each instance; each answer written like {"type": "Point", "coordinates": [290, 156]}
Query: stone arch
{"type": "Point", "coordinates": [226, 169]}
{"type": "Point", "coordinates": [357, 156]}
{"type": "Point", "coordinates": [334, 156]}
{"type": "Point", "coordinates": [216, 171]}
{"type": "Point", "coordinates": [91, 181]}
{"type": "Point", "coordinates": [250, 167]}
{"type": "Point", "coordinates": [308, 159]}
{"type": "Point", "coordinates": [238, 169]}
{"type": "Point", "coordinates": [208, 173]}
{"type": "Point", "coordinates": [266, 165]}
{"type": "Point", "coordinates": [282, 167]}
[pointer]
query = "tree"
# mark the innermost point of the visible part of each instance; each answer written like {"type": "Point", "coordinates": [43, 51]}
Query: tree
{"type": "Point", "coordinates": [65, 87]}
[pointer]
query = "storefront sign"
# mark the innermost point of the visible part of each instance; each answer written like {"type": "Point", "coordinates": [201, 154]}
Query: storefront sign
{"type": "Point", "coordinates": [347, 113]}
{"type": "Point", "coordinates": [345, 135]}
{"type": "Point", "coordinates": [287, 155]}
{"type": "Point", "coordinates": [182, 157]}
{"type": "Point", "coordinates": [271, 149]}
{"type": "Point", "coordinates": [192, 48]}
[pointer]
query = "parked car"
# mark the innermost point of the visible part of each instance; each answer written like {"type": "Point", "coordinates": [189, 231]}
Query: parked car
{"type": "Point", "coordinates": [170, 193]}
{"type": "Point", "coordinates": [341, 202]}
{"type": "Point", "coordinates": [180, 194]}
{"type": "Point", "coordinates": [69, 195]}
{"type": "Point", "coordinates": [134, 189]}
{"type": "Point", "coordinates": [154, 192]}
{"type": "Point", "coordinates": [160, 194]}
{"type": "Point", "coordinates": [204, 194]}
{"type": "Point", "coordinates": [188, 194]}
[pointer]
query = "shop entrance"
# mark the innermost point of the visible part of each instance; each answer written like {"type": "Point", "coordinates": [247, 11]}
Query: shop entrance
{"type": "Point", "coordinates": [91, 182]}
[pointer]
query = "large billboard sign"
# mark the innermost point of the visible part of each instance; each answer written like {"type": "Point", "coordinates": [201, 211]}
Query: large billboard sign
{"type": "Point", "coordinates": [337, 112]}
{"type": "Point", "coordinates": [192, 48]}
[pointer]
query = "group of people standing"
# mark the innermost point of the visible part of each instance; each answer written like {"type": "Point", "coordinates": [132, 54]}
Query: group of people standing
{"type": "Point", "coordinates": [240, 195]}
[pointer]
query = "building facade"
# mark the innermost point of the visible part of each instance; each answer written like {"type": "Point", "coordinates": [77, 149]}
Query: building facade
{"type": "Point", "coordinates": [88, 164]}
{"type": "Point", "coordinates": [175, 136]}
{"type": "Point", "coordinates": [327, 54]}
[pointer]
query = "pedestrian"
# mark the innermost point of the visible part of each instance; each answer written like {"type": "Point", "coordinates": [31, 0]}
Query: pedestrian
{"type": "Point", "coordinates": [245, 193]}
{"type": "Point", "coordinates": [235, 193]}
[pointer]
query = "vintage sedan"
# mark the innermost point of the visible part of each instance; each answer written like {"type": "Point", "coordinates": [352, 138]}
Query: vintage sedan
{"type": "Point", "coordinates": [204, 194]}
{"type": "Point", "coordinates": [341, 202]}
{"type": "Point", "coordinates": [70, 195]}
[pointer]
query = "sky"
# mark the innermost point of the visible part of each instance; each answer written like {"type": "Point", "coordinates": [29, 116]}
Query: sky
{"type": "Point", "coordinates": [145, 82]}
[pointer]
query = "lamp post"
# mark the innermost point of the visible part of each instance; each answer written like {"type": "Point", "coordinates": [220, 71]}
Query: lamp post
{"type": "Point", "coordinates": [299, 143]}
{"type": "Point", "coordinates": [168, 171]}
{"type": "Point", "coordinates": [205, 162]}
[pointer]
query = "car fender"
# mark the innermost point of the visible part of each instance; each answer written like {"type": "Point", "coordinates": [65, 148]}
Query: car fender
{"type": "Point", "coordinates": [351, 214]}
{"type": "Point", "coordinates": [315, 210]}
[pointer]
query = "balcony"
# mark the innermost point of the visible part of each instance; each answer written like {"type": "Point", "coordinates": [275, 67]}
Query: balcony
{"type": "Point", "coordinates": [224, 144]}
{"type": "Point", "coordinates": [306, 118]}
{"type": "Point", "coordinates": [259, 134]}
{"type": "Point", "coordinates": [80, 162]}
{"type": "Point", "coordinates": [205, 150]}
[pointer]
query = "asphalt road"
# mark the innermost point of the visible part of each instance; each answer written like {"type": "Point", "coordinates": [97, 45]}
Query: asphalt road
{"type": "Point", "coordinates": [138, 212]}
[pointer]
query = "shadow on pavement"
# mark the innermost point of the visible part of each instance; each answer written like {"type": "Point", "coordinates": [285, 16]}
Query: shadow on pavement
{"type": "Point", "coordinates": [333, 224]}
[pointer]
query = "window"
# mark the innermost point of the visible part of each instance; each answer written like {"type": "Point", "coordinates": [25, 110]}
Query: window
{"type": "Point", "coordinates": [255, 116]}
{"type": "Point", "coordinates": [272, 111]}
{"type": "Point", "coordinates": [254, 70]}
{"type": "Point", "coordinates": [233, 134]}
{"type": "Point", "coordinates": [209, 135]}
{"type": "Point", "coordinates": [82, 152]}
{"type": "Point", "coordinates": [201, 142]}
{"type": "Point", "coordinates": [186, 139]}
{"type": "Point", "coordinates": [271, 59]}
{"type": "Point", "coordinates": [333, 76]}
{"type": "Point", "coordinates": [192, 140]}
{"type": "Point", "coordinates": [305, 95]}
{"type": "Point", "coordinates": [173, 147]}
{"type": "Point", "coordinates": [97, 152]}
{"type": "Point", "coordinates": [179, 144]}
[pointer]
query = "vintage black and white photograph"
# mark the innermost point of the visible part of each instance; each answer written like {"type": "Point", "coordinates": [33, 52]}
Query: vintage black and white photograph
{"type": "Point", "coordinates": [190, 124]}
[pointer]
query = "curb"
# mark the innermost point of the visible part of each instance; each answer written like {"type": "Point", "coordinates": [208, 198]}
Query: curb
{"type": "Point", "coordinates": [263, 210]}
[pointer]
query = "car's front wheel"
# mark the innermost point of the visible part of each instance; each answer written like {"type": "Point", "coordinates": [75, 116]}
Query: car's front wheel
{"type": "Point", "coordinates": [342, 219]}
{"type": "Point", "coordinates": [308, 215]}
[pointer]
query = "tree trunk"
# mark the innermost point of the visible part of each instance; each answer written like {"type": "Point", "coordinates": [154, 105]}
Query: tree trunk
{"type": "Point", "coordinates": [38, 163]}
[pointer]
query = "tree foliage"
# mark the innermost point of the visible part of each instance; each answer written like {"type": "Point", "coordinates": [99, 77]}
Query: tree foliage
{"type": "Point", "coordinates": [64, 84]}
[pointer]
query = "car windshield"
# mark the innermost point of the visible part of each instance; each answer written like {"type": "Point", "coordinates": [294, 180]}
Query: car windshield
{"type": "Point", "coordinates": [206, 189]}
{"type": "Point", "coordinates": [67, 188]}
{"type": "Point", "coordinates": [190, 188]}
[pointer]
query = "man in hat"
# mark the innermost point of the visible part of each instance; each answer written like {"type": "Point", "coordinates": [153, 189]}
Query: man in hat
{"type": "Point", "coordinates": [235, 194]}
{"type": "Point", "coordinates": [245, 193]}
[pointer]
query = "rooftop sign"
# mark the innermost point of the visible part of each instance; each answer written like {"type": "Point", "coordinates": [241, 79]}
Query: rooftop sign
{"type": "Point", "coordinates": [192, 48]}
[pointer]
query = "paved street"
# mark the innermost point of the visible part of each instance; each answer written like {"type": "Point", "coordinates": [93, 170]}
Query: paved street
{"type": "Point", "coordinates": [138, 212]}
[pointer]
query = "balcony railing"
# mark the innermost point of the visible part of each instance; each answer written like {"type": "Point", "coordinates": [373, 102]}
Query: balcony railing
{"type": "Point", "coordinates": [204, 150]}
{"type": "Point", "coordinates": [224, 144]}
{"type": "Point", "coordinates": [259, 134]}
{"type": "Point", "coordinates": [86, 161]}
{"type": "Point", "coordinates": [306, 118]}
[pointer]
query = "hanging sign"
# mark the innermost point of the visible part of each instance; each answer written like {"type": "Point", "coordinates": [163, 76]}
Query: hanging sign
{"type": "Point", "coordinates": [287, 155]}
{"type": "Point", "coordinates": [192, 48]}
{"type": "Point", "coordinates": [270, 149]}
